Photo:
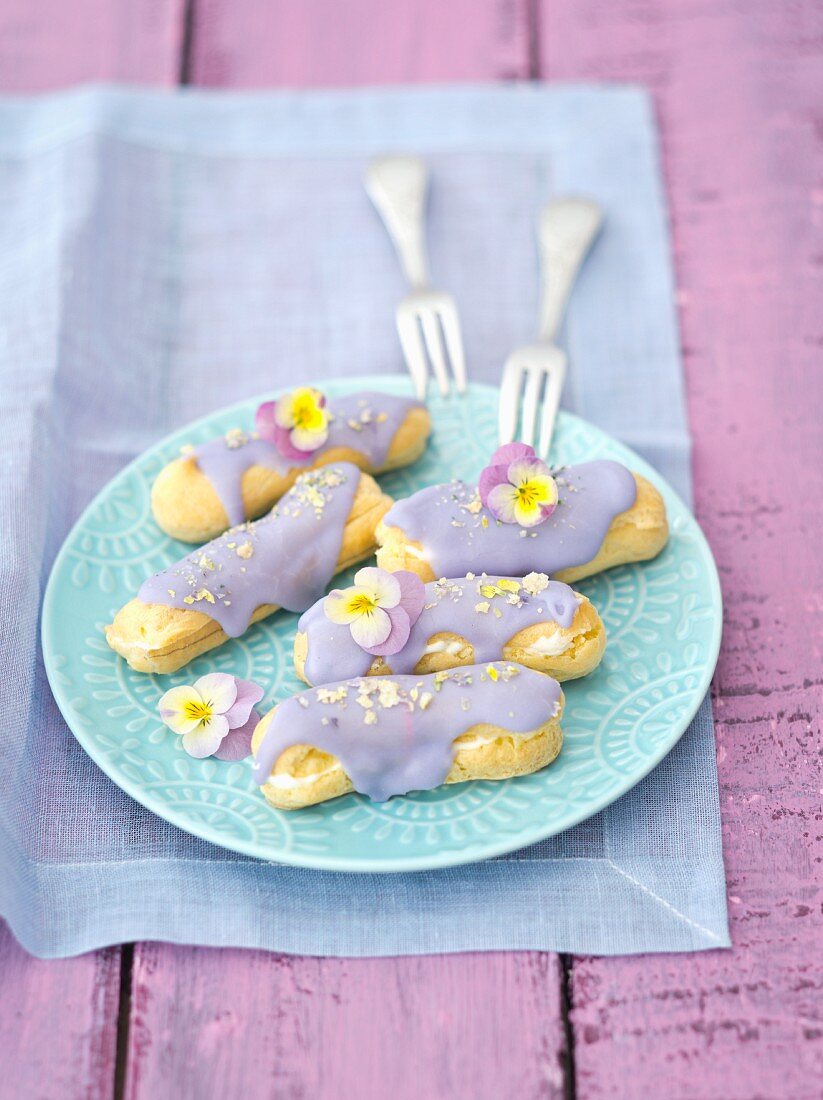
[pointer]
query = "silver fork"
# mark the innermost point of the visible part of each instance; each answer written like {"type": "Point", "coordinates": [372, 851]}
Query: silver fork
{"type": "Point", "coordinates": [427, 319]}
{"type": "Point", "coordinates": [567, 228]}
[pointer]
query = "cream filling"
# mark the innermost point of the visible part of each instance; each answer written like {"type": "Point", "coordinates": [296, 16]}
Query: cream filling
{"type": "Point", "coordinates": [475, 743]}
{"type": "Point", "coordinates": [549, 645]}
{"type": "Point", "coordinates": [451, 648]}
{"type": "Point", "coordinates": [416, 552]}
{"type": "Point", "coordinates": [284, 782]}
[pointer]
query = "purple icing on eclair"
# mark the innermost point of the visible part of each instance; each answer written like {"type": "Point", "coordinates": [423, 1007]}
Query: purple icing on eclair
{"type": "Point", "coordinates": [475, 608]}
{"type": "Point", "coordinates": [286, 558]}
{"type": "Point", "coordinates": [365, 422]}
{"type": "Point", "coordinates": [459, 535]}
{"type": "Point", "coordinates": [394, 734]}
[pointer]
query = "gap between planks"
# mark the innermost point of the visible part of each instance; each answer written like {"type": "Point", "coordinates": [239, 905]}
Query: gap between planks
{"type": "Point", "coordinates": [184, 75]}
{"type": "Point", "coordinates": [123, 1020]}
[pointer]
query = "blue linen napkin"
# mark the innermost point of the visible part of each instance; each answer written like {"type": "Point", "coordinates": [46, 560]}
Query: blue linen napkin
{"type": "Point", "coordinates": [163, 255]}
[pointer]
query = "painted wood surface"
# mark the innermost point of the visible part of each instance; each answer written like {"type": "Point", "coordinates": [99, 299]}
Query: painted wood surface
{"type": "Point", "coordinates": [49, 44]}
{"type": "Point", "coordinates": [59, 1019]}
{"type": "Point", "coordinates": [315, 43]}
{"type": "Point", "coordinates": [254, 1024]}
{"type": "Point", "coordinates": [736, 89]}
{"type": "Point", "coordinates": [58, 1024]}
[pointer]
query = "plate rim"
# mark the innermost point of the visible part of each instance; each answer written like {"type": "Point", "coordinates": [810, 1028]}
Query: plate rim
{"type": "Point", "coordinates": [437, 860]}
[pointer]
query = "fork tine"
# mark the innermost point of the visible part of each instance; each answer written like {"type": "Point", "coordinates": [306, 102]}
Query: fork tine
{"type": "Point", "coordinates": [412, 344]}
{"type": "Point", "coordinates": [434, 345]}
{"type": "Point", "coordinates": [509, 401]}
{"type": "Point", "coordinates": [551, 403]}
{"type": "Point", "coordinates": [454, 345]}
{"type": "Point", "coordinates": [531, 403]}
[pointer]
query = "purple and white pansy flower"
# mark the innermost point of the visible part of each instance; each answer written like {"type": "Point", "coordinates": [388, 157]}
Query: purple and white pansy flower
{"type": "Point", "coordinates": [380, 608]}
{"type": "Point", "coordinates": [297, 423]}
{"type": "Point", "coordinates": [215, 715]}
{"type": "Point", "coordinates": [517, 486]}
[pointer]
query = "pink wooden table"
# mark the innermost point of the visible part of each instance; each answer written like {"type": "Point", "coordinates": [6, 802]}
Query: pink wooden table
{"type": "Point", "coordinates": [737, 86]}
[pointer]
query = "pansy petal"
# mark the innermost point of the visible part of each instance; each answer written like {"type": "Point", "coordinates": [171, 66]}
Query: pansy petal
{"type": "Point", "coordinates": [172, 708]}
{"type": "Point", "coordinates": [412, 594]}
{"type": "Point", "coordinates": [528, 469]}
{"type": "Point", "coordinates": [282, 441]}
{"type": "Point", "coordinates": [180, 723]}
{"type": "Point", "coordinates": [381, 584]}
{"type": "Point", "coordinates": [489, 479]}
{"type": "Point", "coordinates": [337, 606]}
{"type": "Point", "coordinates": [284, 410]}
{"type": "Point", "coordinates": [511, 452]}
{"type": "Point", "coordinates": [264, 423]}
{"type": "Point", "coordinates": [305, 439]}
{"type": "Point", "coordinates": [398, 635]}
{"type": "Point", "coordinates": [218, 690]}
{"type": "Point", "coordinates": [501, 503]}
{"type": "Point", "coordinates": [302, 402]}
{"type": "Point", "coordinates": [549, 495]}
{"type": "Point", "coordinates": [236, 745]}
{"type": "Point", "coordinates": [206, 739]}
{"type": "Point", "coordinates": [248, 693]}
{"type": "Point", "coordinates": [371, 629]}
{"type": "Point", "coordinates": [529, 515]}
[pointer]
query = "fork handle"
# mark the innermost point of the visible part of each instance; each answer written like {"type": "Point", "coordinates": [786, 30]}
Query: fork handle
{"type": "Point", "coordinates": [567, 228]}
{"type": "Point", "coordinates": [397, 187]}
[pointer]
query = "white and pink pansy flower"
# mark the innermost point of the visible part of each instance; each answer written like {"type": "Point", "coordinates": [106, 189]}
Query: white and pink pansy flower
{"type": "Point", "coordinates": [380, 608]}
{"type": "Point", "coordinates": [215, 715]}
{"type": "Point", "coordinates": [297, 423]}
{"type": "Point", "coordinates": [517, 486]}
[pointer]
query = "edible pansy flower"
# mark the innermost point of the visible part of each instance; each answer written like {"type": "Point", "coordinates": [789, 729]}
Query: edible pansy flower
{"type": "Point", "coordinates": [297, 424]}
{"type": "Point", "coordinates": [517, 486]}
{"type": "Point", "coordinates": [215, 715]}
{"type": "Point", "coordinates": [380, 608]}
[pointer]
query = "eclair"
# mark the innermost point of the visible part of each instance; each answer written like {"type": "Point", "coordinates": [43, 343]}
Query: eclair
{"type": "Point", "coordinates": [385, 736]}
{"type": "Point", "coordinates": [325, 523]}
{"type": "Point", "coordinates": [542, 624]}
{"type": "Point", "coordinates": [240, 476]}
{"type": "Point", "coordinates": [606, 516]}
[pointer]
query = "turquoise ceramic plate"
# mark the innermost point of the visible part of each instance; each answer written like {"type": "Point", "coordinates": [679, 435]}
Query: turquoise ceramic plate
{"type": "Point", "coordinates": [663, 620]}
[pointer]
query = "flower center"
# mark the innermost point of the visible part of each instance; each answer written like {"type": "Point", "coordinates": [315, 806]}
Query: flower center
{"type": "Point", "coordinates": [530, 494]}
{"type": "Point", "coordinates": [363, 604]}
{"type": "Point", "coordinates": [198, 710]}
{"type": "Point", "coordinates": [307, 414]}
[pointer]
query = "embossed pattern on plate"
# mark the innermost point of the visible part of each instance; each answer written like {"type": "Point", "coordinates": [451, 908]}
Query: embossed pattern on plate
{"type": "Point", "coordinates": [663, 620]}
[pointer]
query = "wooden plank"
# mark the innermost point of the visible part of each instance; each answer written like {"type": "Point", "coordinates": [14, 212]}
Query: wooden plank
{"type": "Point", "coordinates": [53, 44]}
{"type": "Point", "coordinates": [737, 90]}
{"type": "Point", "coordinates": [249, 1023]}
{"type": "Point", "coordinates": [58, 1023]}
{"type": "Point", "coordinates": [58, 1019]}
{"type": "Point", "coordinates": [260, 1024]}
{"type": "Point", "coordinates": [267, 43]}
